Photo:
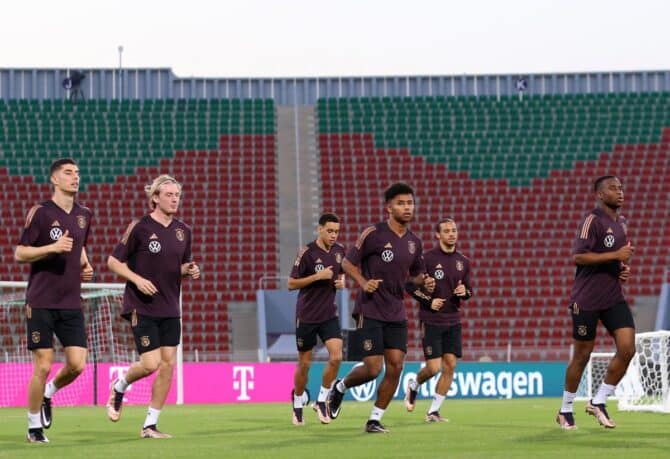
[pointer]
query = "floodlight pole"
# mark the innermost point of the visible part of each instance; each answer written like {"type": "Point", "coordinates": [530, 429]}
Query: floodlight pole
{"type": "Point", "coordinates": [120, 48]}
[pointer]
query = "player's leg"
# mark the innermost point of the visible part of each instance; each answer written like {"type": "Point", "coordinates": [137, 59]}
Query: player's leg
{"type": "Point", "coordinates": [146, 334]}
{"type": "Point", "coordinates": [39, 329]}
{"type": "Point", "coordinates": [431, 341]}
{"type": "Point", "coordinates": [42, 361]}
{"type": "Point", "coordinates": [371, 341]}
{"type": "Point", "coordinates": [443, 384]}
{"type": "Point", "coordinates": [584, 325]}
{"type": "Point", "coordinates": [170, 336]}
{"type": "Point", "coordinates": [395, 348]}
{"type": "Point", "coordinates": [331, 335]}
{"type": "Point", "coordinates": [619, 322]}
{"type": "Point", "coordinates": [299, 385]}
{"type": "Point", "coordinates": [452, 348]}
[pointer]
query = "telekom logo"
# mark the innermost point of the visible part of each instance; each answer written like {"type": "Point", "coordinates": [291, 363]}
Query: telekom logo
{"type": "Point", "coordinates": [243, 381]}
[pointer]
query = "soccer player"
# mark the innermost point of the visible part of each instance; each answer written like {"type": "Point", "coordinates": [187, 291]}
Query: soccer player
{"type": "Point", "coordinates": [440, 316]}
{"type": "Point", "coordinates": [53, 241]}
{"type": "Point", "coordinates": [153, 256]}
{"type": "Point", "coordinates": [387, 253]}
{"type": "Point", "coordinates": [316, 272]}
{"type": "Point", "coordinates": [602, 252]}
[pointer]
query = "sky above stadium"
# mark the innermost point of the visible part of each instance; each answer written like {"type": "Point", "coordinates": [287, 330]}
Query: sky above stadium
{"type": "Point", "coordinates": [286, 38]}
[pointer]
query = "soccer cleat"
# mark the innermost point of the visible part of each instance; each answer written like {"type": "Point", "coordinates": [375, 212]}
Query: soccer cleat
{"type": "Point", "coordinates": [36, 436]}
{"type": "Point", "coordinates": [373, 426]}
{"type": "Point", "coordinates": [152, 432]}
{"type": "Point", "coordinates": [566, 421]}
{"type": "Point", "coordinates": [45, 413]}
{"type": "Point", "coordinates": [322, 412]}
{"type": "Point", "coordinates": [600, 413]}
{"type": "Point", "coordinates": [297, 417]}
{"type": "Point", "coordinates": [435, 417]}
{"type": "Point", "coordinates": [114, 404]}
{"type": "Point", "coordinates": [410, 396]}
{"type": "Point", "coordinates": [334, 402]}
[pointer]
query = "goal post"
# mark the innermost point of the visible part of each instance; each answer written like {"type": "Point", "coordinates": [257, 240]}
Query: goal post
{"type": "Point", "coordinates": [110, 342]}
{"type": "Point", "coordinates": [645, 386]}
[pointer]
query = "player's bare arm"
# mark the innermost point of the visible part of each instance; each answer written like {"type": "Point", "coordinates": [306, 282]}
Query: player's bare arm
{"type": "Point", "coordinates": [324, 274]}
{"type": "Point", "coordinates": [86, 268]}
{"type": "Point", "coordinates": [591, 258]}
{"type": "Point", "coordinates": [191, 270]}
{"type": "Point", "coordinates": [143, 285]}
{"type": "Point", "coordinates": [30, 254]}
{"type": "Point", "coordinates": [368, 285]}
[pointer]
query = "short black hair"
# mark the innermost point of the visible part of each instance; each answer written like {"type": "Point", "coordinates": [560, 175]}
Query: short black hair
{"type": "Point", "coordinates": [600, 180]}
{"type": "Point", "coordinates": [60, 163]}
{"type": "Point", "coordinates": [396, 189]}
{"type": "Point", "coordinates": [444, 220]}
{"type": "Point", "coordinates": [328, 217]}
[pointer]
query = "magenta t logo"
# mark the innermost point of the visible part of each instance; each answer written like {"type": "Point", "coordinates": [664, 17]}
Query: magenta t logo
{"type": "Point", "coordinates": [245, 382]}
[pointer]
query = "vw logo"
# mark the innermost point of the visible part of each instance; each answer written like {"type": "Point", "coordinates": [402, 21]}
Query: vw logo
{"type": "Point", "coordinates": [55, 234]}
{"type": "Point", "coordinates": [154, 246]}
{"type": "Point", "coordinates": [439, 274]}
{"type": "Point", "coordinates": [387, 256]}
{"type": "Point", "coordinates": [318, 268]}
{"type": "Point", "coordinates": [609, 241]}
{"type": "Point", "coordinates": [364, 392]}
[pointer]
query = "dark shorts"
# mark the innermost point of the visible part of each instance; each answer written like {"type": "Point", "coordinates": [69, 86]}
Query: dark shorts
{"type": "Point", "coordinates": [154, 332]}
{"type": "Point", "coordinates": [375, 336]}
{"type": "Point", "coordinates": [584, 323]}
{"type": "Point", "coordinates": [305, 334]}
{"type": "Point", "coordinates": [438, 340]}
{"type": "Point", "coordinates": [67, 324]}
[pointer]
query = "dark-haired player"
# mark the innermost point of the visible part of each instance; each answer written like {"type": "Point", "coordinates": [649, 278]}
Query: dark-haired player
{"type": "Point", "coordinates": [601, 252]}
{"type": "Point", "coordinates": [316, 272]}
{"type": "Point", "coordinates": [53, 242]}
{"type": "Point", "coordinates": [388, 253]}
{"type": "Point", "coordinates": [440, 316]}
{"type": "Point", "coordinates": [153, 256]}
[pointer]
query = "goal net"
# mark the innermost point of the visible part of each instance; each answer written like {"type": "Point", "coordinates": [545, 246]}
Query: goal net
{"type": "Point", "coordinates": [644, 387]}
{"type": "Point", "coordinates": [111, 349]}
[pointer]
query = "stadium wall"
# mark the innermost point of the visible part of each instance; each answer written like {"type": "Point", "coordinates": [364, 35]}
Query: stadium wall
{"type": "Point", "coordinates": [162, 83]}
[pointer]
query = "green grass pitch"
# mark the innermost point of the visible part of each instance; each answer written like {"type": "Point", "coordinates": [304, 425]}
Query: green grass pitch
{"type": "Point", "coordinates": [477, 429]}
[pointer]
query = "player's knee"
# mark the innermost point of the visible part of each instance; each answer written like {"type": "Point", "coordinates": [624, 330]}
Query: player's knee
{"type": "Point", "coordinates": [150, 367]}
{"type": "Point", "coordinates": [393, 369]}
{"type": "Point", "coordinates": [626, 353]}
{"type": "Point", "coordinates": [41, 370]}
{"type": "Point", "coordinates": [335, 358]}
{"type": "Point", "coordinates": [374, 369]}
{"type": "Point", "coordinates": [304, 366]}
{"type": "Point", "coordinates": [77, 368]}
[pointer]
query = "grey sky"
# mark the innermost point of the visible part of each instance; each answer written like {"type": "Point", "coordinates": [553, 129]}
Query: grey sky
{"type": "Point", "coordinates": [343, 37]}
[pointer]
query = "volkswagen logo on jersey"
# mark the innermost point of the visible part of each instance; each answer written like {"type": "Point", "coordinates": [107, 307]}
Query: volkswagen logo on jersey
{"type": "Point", "coordinates": [387, 256]}
{"type": "Point", "coordinates": [55, 234]}
{"type": "Point", "coordinates": [439, 274]}
{"type": "Point", "coordinates": [609, 241]}
{"type": "Point", "coordinates": [364, 392]}
{"type": "Point", "coordinates": [154, 246]}
{"type": "Point", "coordinates": [318, 268]}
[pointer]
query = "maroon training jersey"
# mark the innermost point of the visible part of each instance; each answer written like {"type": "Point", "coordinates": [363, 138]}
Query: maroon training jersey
{"type": "Point", "coordinates": [598, 287]}
{"type": "Point", "coordinates": [156, 253]}
{"type": "Point", "coordinates": [55, 281]}
{"type": "Point", "coordinates": [448, 269]}
{"type": "Point", "coordinates": [316, 301]}
{"type": "Point", "coordinates": [382, 254]}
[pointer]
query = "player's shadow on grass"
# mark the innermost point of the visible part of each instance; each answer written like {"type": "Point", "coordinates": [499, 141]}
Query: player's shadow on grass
{"type": "Point", "coordinates": [594, 437]}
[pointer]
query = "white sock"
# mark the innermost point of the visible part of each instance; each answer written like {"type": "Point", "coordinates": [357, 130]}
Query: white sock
{"type": "Point", "coordinates": [34, 421]}
{"type": "Point", "coordinates": [568, 398]}
{"type": "Point", "coordinates": [341, 387]}
{"type": "Point", "coordinates": [50, 389]}
{"type": "Point", "coordinates": [413, 384]}
{"type": "Point", "coordinates": [437, 403]}
{"type": "Point", "coordinates": [121, 384]}
{"type": "Point", "coordinates": [152, 417]}
{"type": "Point", "coordinates": [376, 414]}
{"type": "Point", "coordinates": [297, 400]}
{"type": "Point", "coordinates": [604, 391]}
{"type": "Point", "coordinates": [323, 394]}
